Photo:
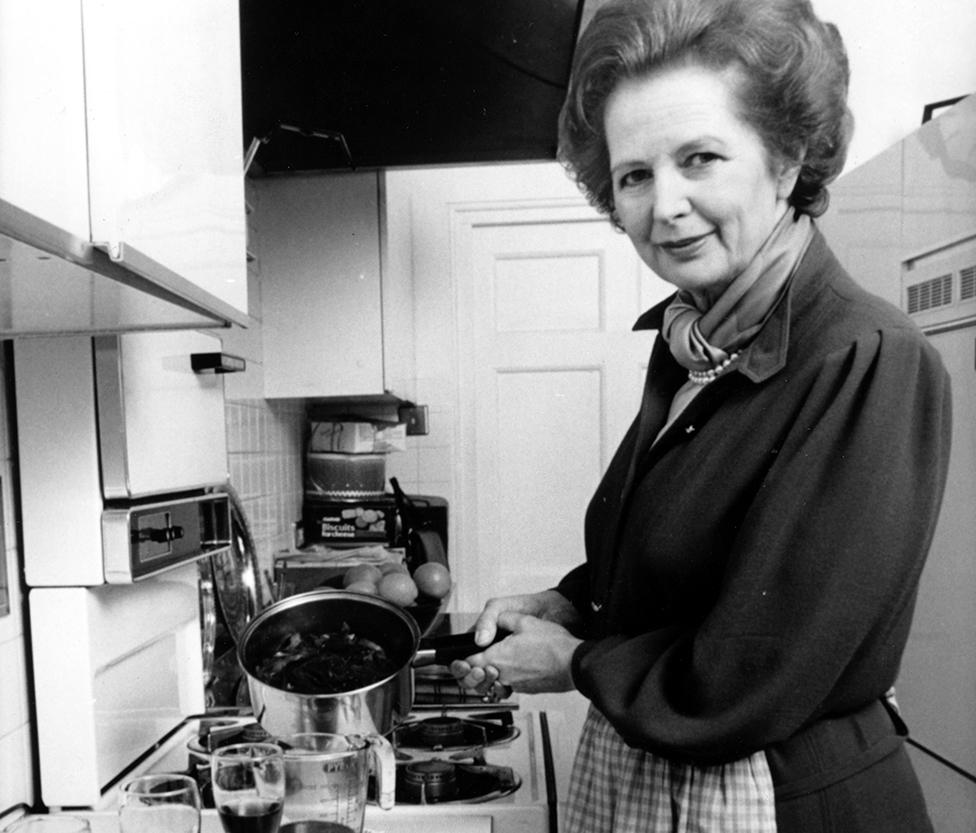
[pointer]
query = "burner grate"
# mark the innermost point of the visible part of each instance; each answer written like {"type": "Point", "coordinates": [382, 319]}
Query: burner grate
{"type": "Point", "coordinates": [438, 781]}
{"type": "Point", "coordinates": [447, 733]}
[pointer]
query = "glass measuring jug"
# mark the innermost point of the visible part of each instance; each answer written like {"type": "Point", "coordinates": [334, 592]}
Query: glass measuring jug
{"type": "Point", "coordinates": [326, 779]}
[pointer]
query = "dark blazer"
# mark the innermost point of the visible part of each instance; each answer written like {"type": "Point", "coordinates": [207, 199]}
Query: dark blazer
{"type": "Point", "coordinates": [755, 571]}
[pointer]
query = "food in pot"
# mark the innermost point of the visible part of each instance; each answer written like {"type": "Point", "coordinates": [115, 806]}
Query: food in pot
{"type": "Point", "coordinates": [327, 663]}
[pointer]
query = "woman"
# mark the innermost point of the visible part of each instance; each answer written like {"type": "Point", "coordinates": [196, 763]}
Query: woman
{"type": "Point", "coordinates": [754, 549]}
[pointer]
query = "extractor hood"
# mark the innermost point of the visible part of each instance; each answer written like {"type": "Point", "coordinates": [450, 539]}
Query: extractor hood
{"type": "Point", "coordinates": [334, 84]}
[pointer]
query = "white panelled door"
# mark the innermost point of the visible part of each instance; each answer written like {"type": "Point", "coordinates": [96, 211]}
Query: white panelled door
{"type": "Point", "coordinates": [550, 378]}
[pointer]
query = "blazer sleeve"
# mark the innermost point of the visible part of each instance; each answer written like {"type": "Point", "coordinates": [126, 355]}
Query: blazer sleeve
{"type": "Point", "coordinates": [575, 587]}
{"type": "Point", "coordinates": [816, 600]}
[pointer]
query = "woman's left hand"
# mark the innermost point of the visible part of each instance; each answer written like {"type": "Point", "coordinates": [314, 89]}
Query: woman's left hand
{"type": "Point", "coordinates": [536, 657]}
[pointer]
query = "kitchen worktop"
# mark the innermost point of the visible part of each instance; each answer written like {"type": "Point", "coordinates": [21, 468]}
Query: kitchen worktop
{"type": "Point", "coordinates": [107, 822]}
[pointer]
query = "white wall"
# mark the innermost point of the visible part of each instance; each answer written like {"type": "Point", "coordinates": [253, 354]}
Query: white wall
{"type": "Point", "coordinates": [904, 54]}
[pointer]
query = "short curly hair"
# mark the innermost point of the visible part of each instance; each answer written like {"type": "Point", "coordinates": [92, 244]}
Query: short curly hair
{"type": "Point", "coordinates": [794, 90]}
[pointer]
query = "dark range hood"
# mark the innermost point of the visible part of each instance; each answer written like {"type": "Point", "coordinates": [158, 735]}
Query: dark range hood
{"type": "Point", "coordinates": [337, 84]}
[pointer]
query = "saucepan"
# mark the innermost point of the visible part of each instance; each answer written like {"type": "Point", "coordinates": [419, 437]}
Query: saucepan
{"type": "Point", "coordinates": [337, 661]}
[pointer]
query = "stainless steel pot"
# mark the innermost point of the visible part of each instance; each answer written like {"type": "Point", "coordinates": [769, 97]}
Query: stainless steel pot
{"type": "Point", "coordinates": [375, 708]}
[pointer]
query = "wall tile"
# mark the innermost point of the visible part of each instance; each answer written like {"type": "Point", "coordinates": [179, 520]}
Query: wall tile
{"type": "Point", "coordinates": [235, 440]}
{"type": "Point", "coordinates": [264, 460]}
{"type": "Point", "coordinates": [404, 466]}
{"type": "Point", "coordinates": [439, 488]}
{"type": "Point", "coordinates": [437, 464]}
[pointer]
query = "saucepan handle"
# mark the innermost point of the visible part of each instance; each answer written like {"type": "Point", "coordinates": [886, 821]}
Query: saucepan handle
{"type": "Point", "coordinates": [441, 650]}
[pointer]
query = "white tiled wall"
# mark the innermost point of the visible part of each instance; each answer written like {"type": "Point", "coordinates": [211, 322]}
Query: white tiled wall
{"type": "Point", "coordinates": [426, 467]}
{"type": "Point", "coordinates": [265, 448]}
{"type": "Point", "coordinates": [264, 455]}
{"type": "Point", "coordinates": [16, 785]}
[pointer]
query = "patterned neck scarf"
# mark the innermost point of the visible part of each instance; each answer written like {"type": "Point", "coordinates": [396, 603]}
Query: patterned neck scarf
{"type": "Point", "coordinates": [702, 341]}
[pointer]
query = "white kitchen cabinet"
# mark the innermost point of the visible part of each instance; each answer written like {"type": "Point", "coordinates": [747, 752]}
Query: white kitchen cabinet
{"type": "Point", "coordinates": [120, 129]}
{"type": "Point", "coordinates": [43, 151]}
{"type": "Point", "coordinates": [322, 312]}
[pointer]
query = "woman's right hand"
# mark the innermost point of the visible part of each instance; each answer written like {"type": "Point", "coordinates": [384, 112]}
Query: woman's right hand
{"type": "Point", "coordinates": [549, 605]}
{"type": "Point", "coordinates": [534, 665]}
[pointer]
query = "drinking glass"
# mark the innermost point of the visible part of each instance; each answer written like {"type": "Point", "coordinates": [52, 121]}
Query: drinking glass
{"type": "Point", "coordinates": [160, 803]}
{"type": "Point", "coordinates": [248, 782]}
{"type": "Point", "coordinates": [49, 824]}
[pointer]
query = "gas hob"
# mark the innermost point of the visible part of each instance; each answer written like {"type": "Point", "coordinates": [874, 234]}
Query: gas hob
{"type": "Point", "coordinates": [481, 771]}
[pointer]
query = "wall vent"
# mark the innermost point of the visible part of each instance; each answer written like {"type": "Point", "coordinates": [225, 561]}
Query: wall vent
{"type": "Point", "coordinates": [967, 283]}
{"type": "Point", "coordinates": [939, 284]}
{"type": "Point", "coordinates": [935, 292]}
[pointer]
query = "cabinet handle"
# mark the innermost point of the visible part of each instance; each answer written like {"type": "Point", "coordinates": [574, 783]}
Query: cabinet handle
{"type": "Point", "coordinates": [217, 363]}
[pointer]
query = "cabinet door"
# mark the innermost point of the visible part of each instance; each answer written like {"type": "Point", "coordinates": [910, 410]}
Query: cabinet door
{"type": "Point", "coordinates": [165, 146]}
{"type": "Point", "coordinates": [43, 160]}
{"type": "Point", "coordinates": [320, 285]}
{"type": "Point", "coordinates": [161, 426]}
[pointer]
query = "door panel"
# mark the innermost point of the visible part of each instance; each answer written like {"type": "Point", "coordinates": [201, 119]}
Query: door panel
{"type": "Point", "coordinates": [522, 285]}
{"type": "Point", "coordinates": [555, 374]}
{"type": "Point", "coordinates": [547, 462]}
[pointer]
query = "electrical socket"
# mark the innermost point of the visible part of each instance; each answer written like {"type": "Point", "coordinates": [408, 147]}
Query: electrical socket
{"type": "Point", "coordinates": [415, 418]}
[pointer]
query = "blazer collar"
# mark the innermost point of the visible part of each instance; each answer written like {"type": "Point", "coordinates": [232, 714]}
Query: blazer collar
{"type": "Point", "coordinates": [767, 353]}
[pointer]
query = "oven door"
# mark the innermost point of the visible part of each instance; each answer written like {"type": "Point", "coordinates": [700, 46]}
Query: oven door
{"type": "Point", "coordinates": [160, 424]}
{"type": "Point", "coordinates": [116, 668]}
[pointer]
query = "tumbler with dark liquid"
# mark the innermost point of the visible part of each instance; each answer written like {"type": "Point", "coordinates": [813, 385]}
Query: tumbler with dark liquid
{"type": "Point", "coordinates": [249, 787]}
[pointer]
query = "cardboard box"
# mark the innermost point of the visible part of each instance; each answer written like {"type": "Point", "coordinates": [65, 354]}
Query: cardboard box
{"type": "Point", "coordinates": [353, 522]}
{"type": "Point", "coordinates": [356, 438]}
{"type": "Point", "coordinates": [344, 437]}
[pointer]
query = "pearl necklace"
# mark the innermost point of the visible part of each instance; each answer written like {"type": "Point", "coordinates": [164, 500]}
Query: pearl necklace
{"type": "Point", "coordinates": [703, 377]}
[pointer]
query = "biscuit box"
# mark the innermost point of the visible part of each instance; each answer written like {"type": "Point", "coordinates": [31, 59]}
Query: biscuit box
{"type": "Point", "coordinates": [349, 522]}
